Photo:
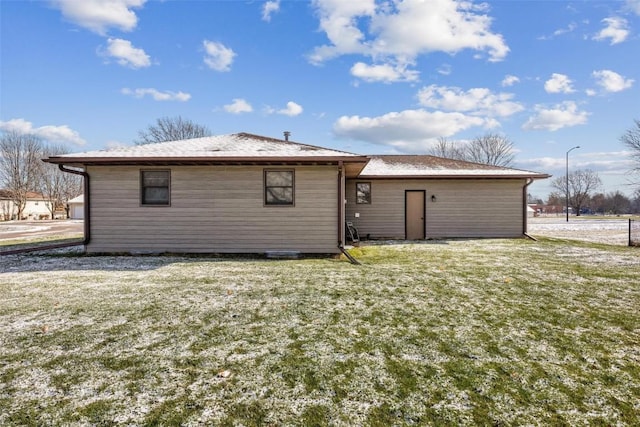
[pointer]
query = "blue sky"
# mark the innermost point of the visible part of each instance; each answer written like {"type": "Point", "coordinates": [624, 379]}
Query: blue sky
{"type": "Point", "coordinates": [371, 77]}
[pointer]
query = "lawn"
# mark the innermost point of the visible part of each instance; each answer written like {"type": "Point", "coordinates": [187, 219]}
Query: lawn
{"type": "Point", "coordinates": [457, 332]}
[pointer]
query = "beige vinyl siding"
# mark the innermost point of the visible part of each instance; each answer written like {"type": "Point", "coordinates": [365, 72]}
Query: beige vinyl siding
{"type": "Point", "coordinates": [214, 209]}
{"type": "Point", "coordinates": [463, 207]}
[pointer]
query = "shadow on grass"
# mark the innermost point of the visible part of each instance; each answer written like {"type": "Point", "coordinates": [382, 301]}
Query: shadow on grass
{"type": "Point", "coordinates": [74, 258]}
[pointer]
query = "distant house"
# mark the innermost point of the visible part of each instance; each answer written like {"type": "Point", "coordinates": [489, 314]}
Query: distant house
{"type": "Point", "coordinates": [76, 207]}
{"type": "Point", "coordinates": [542, 209]}
{"type": "Point", "coordinates": [244, 193]}
{"type": "Point", "coordinates": [36, 207]}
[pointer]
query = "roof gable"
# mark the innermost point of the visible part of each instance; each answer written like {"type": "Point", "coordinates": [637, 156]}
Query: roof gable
{"type": "Point", "coordinates": [29, 195]}
{"type": "Point", "coordinates": [78, 199]}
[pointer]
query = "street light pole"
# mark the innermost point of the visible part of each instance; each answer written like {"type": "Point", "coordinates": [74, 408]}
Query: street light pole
{"type": "Point", "coordinates": [567, 180]}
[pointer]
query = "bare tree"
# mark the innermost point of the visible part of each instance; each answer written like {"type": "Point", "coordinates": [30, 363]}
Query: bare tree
{"type": "Point", "coordinates": [20, 156]}
{"type": "Point", "coordinates": [598, 203]}
{"type": "Point", "coordinates": [56, 186]}
{"type": "Point", "coordinates": [490, 149]}
{"type": "Point", "coordinates": [555, 201]}
{"type": "Point", "coordinates": [171, 129]}
{"type": "Point", "coordinates": [635, 202]}
{"type": "Point", "coordinates": [618, 203]}
{"type": "Point", "coordinates": [447, 149]}
{"type": "Point", "coordinates": [631, 139]}
{"type": "Point", "coordinates": [581, 184]}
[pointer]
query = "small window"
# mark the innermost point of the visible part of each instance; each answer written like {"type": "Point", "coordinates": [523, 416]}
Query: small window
{"type": "Point", "coordinates": [155, 188]}
{"type": "Point", "coordinates": [363, 193]}
{"type": "Point", "coordinates": [278, 187]}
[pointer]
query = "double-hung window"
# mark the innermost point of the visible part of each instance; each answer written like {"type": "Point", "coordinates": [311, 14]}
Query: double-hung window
{"type": "Point", "coordinates": [279, 187]}
{"type": "Point", "coordinates": [155, 188]}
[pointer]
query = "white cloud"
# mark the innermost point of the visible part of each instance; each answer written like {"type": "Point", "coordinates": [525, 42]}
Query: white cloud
{"type": "Point", "coordinates": [476, 101]}
{"type": "Point", "coordinates": [156, 94]}
{"type": "Point", "coordinates": [601, 161]}
{"type": "Point", "coordinates": [126, 54]}
{"type": "Point", "coordinates": [569, 29]}
{"type": "Point", "coordinates": [543, 163]}
{"type": "Point", "coordinates": [269, 8]}
{"type": "Point", "coordinates": [397, 32]}
{"type": "Point", "coordinates": [238, 106]}
{"type": "Point", "coordinates": [58, 134]}
{"type": "Point", "coordinates": [634, 6]}
{"type": "Point", "coordinates": [610, 81]}
{"type": "Point", "coordinates": [560, 116]}
{"type": "Point", "coordinates": [444, 69]}
{"type": "Point", "coordinates": [218, 57]}
{"type": "Point", "coordinates": [385, 73]}
{"type": "Point", "coordinates": [510, 80]}
{"type": "Point", "coordinates": [409, 130]}
{"type": "Point", "coordinates": [558, 83]}
{"type": "Point", "coordinates": [292, 109]}
{"type": "Point", "coordinates": [99, 15]}
{"type": "Point", "coordinates": [452, 26]}
{"type": "Point", "coordinates": [338, 19]}
{"type": "Point", "coordinates": [616, 29]}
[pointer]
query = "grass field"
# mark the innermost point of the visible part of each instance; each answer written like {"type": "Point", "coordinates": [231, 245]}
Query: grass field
{"type": "Point", "coordinates": [477, 332]}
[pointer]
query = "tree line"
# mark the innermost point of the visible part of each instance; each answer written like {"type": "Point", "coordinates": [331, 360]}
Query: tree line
{"type": "Point", "coordinates": [598, 203]}
{"type": "Point", "coordinates": [22, 171]}
{"type": "Point", "coordinates": [579, 188]}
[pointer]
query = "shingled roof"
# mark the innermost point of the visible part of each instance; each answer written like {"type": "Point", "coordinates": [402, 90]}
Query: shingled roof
{"type": "Point", "coordinates": [233, 147]}
{"type": "Point", "coordinates": [423, 166]}
{"type": "Point", "coordinates": [30, 195]}
{"type": "Point", "coordinates": [246, 148]}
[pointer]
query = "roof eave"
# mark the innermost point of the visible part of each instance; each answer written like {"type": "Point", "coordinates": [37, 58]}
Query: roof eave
{"type": "Point", "coordinates": [128, 161]}
{"type": "Point", "coordinates": [457, 176]}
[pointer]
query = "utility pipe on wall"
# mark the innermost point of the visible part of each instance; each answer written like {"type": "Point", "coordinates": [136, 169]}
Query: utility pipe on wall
{"type": "Point", "coordinates": [340, 205]}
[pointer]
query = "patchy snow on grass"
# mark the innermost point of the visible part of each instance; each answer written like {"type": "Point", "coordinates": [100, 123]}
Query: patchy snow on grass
{"type": "Point", "coordinates": [471, 332]}
{"type": "Point", "coordinates": [608, 231]}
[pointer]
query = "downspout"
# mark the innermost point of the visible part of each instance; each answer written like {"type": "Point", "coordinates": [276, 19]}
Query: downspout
{"type": "Point", "coordinates": [340, 207]}
{"type": "Point", "coordinates": [87, 200]}
{"type": "Point", "coordinates": [524, 209]}
{"type": "Point", "coordinates": [341, 217]}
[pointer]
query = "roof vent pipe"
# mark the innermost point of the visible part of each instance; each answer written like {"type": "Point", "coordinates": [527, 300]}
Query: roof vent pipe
{"type": "Point", "coordinates": [287, 134]}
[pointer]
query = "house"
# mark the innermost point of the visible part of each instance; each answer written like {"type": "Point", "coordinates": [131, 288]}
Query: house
{"type": "Point", "coordinates": [245, 193]}
{"type": "Point", "coordinates": [76, 207]}
{"type": "Point", "coordinates": [417, 197]}
{"type": "Point", "coordinates": [36, 207]}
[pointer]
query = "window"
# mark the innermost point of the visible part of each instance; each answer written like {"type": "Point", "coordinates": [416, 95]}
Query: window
{"type": "Point", "coordinates": [155, 188]}
{"type": "Point", "coordinates": [278, 187]}
{"type": "Point", "coordinates": [363, 193]}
